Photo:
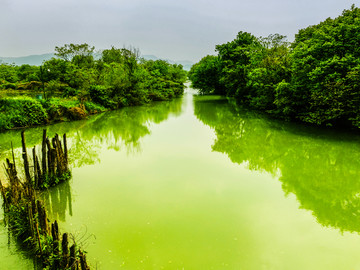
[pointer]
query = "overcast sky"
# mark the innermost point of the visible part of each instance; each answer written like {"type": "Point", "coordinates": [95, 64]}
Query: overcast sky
{"type": "Point", "coordinates": [174, 29]}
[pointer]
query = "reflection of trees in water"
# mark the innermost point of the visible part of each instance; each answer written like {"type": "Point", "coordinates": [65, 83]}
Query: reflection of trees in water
{"type": "Point", "coordinates": [118, 130]}
{"type": "Point", "coordinates": [321, 167]}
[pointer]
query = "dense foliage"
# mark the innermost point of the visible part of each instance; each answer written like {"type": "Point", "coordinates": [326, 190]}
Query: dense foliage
{"type": "Point", "coordinates": [21, 112]}
{"type": "Point", "coordinates": [205, 75]}
{"type": "Point", "coordinates": [120, 77]}
{"type": "Point", "coordinates": [315, 79]}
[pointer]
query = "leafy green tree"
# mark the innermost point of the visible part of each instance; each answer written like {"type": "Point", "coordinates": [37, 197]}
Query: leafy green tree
{"type": "Point", "coordinates": [27, 73]}
{"type": "Point", "coordinates": [326, 70]}
{"type": "Point", "coordinates": [113, 55]}
{"type": "Point", "coordinates": [205, 75]}
{"type": "Point", "coordinates": [69, 51]}
{"type": "Point", "coordinates": [8, 73]}
{"type": "Point", "coordinates": [269, 65]}
{"type": "Point", "coordinates": [235, 56]}
{"type": "Point", "coordinates": [55, 69]}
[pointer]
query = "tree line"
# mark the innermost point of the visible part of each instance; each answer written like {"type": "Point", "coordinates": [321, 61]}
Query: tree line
{"type": "Point", "coordinates": [76, 83]}
{"type": "Point", "coordinates": [315, 79]}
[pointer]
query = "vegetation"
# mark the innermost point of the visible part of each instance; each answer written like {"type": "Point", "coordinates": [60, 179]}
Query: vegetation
{"type": "Point", "coordinates": [315, 79]}
{"type": "Point", "coordinates": [26, 217]}
{"type": "Point", "coordinates": [75, 85]}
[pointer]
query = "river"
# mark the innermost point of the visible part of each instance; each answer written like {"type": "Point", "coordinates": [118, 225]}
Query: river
{"type": "Point", "coordinates": [199, 183]}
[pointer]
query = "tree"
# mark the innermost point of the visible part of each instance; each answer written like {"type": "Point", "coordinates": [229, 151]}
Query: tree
{"type": "Point", "coordinates": [269, 65]}
{"type": "Point", "coordinates": [205, 75]}
{"type": "Point", "coordinates": [326, 70]}
{"type": "Point", "coordinates": [235, 57]}
{"type": "Point", "coordinates": [79, 54]}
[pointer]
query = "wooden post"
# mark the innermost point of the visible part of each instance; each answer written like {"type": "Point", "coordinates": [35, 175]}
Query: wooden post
{"type": "Point", "coordinates": [65, 251]}
{"type": "Point", "coordinates": [25, 157]}
{"type": "Point", "coordinates": [50, 169]}
{"type": "Point", "coordinates": [13, 156]}
{"type": "Point", "coordinates": [55, 230]}
{"type": "Point", "coordinates": [42, 217]}
{"type": "Point", "coordinates": [59, 170]}
{"type": "Point", "coordinates": [55, 236]}
{"type": "Point", "coordinates": [83, 262]}
{"type": "Point", "coordinates": [31, 221]}
{"type": "Point", "coordinates": [38, 169]}
{"type": "Point", "coordinates": [66, 153]}
{"type": "Point", "coordinates": [3, 194]}
{"type": "Point", "coordinates": [35, 169]}
{"type": "Point", "coordinates": [60, 153]}
{"type": "Point", "coordinates": [38, 237]}
{"type": "Point", "coordinates": [72, 261]}
{"type": "Point", "coordinates": [53, 161]}
{"type": "Point", "coordinates": [43, 150]}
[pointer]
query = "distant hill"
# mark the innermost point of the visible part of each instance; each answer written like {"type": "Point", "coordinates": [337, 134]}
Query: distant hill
{"type": "Point", "coordinates": [34, 60]}
{"type": "Point", "coordinates": [37, 60]}
{"type": "Point", "coordinates": [186, 64]}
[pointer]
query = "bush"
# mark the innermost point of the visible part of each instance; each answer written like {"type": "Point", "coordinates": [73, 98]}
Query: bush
{"type": "Point", "coordinates": [93, 108]}
{"type": "Point", "coordinates": [21, 112]}
{"type": "Point", "coordinates": [8, 85]}
{"type": "Point", "coordinates": [58, 107]}
{"type": "Point", "coordinates": [70, 92]}
{"type": "Point", "coordinates": [100, 94]}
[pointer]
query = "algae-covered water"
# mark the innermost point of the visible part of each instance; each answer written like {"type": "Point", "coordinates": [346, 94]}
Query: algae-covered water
{"type": "Point", "coordinates": [198, 183]}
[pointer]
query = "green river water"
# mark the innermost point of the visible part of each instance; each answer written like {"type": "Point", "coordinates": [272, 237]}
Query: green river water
{"type": "Point", "coordinates": [198, 183]}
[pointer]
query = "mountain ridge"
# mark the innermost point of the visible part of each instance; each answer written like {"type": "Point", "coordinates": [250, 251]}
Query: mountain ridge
{"type": "Point", "coordinates": [38, 59]}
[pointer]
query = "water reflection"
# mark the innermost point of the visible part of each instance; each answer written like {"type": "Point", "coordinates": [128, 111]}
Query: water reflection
{"type": "Point", "coordinates": [321, 167]}
{"type": "Point", "coordinates": [58, 201]}
{"type": "Point", "coordinates": [117, 130]}
{"type": "Point", "coordinates": [121, 129]}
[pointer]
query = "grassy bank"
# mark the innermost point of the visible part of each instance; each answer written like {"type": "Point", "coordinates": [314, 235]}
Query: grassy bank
{"type": "Point", "coordinates": [20, 112]}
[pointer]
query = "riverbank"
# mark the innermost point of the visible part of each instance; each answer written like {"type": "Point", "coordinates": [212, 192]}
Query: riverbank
{"type": "Point", "coordinates": [76, 85]}
{"type": "Point", "coordinates": [293, 81]}
{"type": "Point", "coordinates": [23, 112]}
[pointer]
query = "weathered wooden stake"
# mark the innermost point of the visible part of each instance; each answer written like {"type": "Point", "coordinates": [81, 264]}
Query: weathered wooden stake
{"type": "Point", "coordinates": [65, 152]}
{"type": "Point", "coordinates": [38, 237]}
{"type": "Point", "coordinates": [42, 217]}
{"type": "Point", "coordinates": [13, 156]}
{"type": "Point", "coordinates": [65, 251]}
{"type": "Point", "coordinates": [25, 158]}
{"type": "Point", "coordinates": [43, 150]}
{"type": "Point", "coordinates": [50, 169]}
{"type": "Point", "coordinates": [39, 173]}
{"type": "Point", "coordinates": [31, 221]}
{"type": "Point", "coordinates": [83, 262]}
{"type": "Point", "coordinates": [72, 261]}
{"type": "Point", "coordinates": [36, 182]}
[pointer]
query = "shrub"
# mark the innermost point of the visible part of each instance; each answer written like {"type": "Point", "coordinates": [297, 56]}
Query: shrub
{"type": "Point", "coordinates": [58, 107]}
{"type": "Point", "coordinates": [70, 92]}
{"type": "Point", "coordinates": [21, 112]}
{"type": "Point", "coordinates": [8, 85]}
{"type": "Point", "coordinates": [93, 108]}
{"type": "Point", "coordinates": [100, 94]}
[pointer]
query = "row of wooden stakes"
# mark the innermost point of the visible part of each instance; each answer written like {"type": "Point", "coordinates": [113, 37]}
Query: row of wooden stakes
{"type": "Point", "coordinates": [54, 161]}
{"type": "Point", "coordinates": [26, 216]}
